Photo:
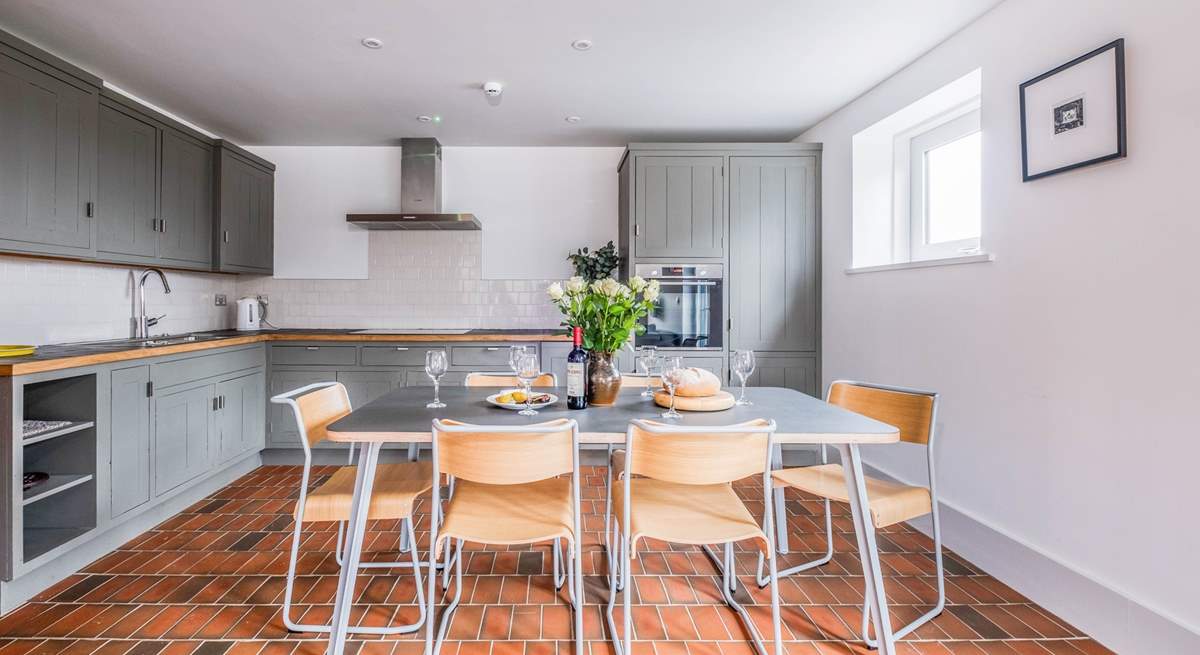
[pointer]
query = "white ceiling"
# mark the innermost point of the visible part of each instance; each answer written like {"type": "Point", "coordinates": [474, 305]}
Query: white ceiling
{"type": "Point", "coordinates": [291, 72]}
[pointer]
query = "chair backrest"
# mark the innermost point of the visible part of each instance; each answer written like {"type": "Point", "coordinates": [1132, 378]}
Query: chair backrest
{"type": "Point", "coordinates": [316, 406]}
{"type": "Point", "coordinates": [503, 380]}
{"type": "Point", "coordinates": [505, 454]}
{"type": "Point", "coordinates": [634, 381]}
{"type": "Point", "coordinates": [912, 411]}
{"type": "Point", "coordinates": [698, 455]}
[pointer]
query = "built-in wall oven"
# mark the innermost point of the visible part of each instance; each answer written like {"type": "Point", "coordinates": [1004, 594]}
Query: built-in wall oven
{"type": "Point", "coordinates": [688, 314]}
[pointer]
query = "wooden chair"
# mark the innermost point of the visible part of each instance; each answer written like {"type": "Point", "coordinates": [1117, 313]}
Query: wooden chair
{"type": "Point", "coordinates": [484, 379]}
{"type": "Point", "coordinates": [396, 489]}
{"type": "Point", "coordinates": [509, 489]}
{"type": "Point", "coordinates": [637, 381]}
{"type": "Point", "coordinates": [677, 487]}
{"type": "Point", "coordinates": [914, 412]}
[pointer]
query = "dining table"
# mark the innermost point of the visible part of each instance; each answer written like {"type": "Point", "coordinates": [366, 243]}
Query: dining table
{"type": "Point", "coordinates": [401, 417]}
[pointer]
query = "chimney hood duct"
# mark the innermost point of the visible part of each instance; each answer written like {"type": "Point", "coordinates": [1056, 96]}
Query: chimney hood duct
{"type": "Point", "coordinates": [420, 194]}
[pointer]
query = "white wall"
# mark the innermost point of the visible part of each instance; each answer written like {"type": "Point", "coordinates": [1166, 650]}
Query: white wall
{"type": "Point", "coordinates": [536, 204]}
{"type": "Point", "coordinates": [1070, 366]}
{"type": "Point", "coordinates": [58, 301]}
{"type": "Point", "coordinates": [315, 187]}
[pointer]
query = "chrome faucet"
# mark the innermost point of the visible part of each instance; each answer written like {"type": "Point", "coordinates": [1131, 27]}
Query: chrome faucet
{"type": "Point", "coordinates": [142, 323]}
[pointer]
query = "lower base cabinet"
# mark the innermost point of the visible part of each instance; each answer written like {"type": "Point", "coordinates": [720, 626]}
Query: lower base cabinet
{"type": "Point", "coordinates": [792, 371]}
{"type": "Point", "coordinates": [240, 416]}
{"type": "Point", "coordinates": [129, 460]}
{"type": "Point", "coordinates": [183, 421]}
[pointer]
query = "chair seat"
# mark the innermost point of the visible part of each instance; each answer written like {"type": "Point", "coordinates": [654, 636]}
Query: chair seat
{"type": "Point", "coordinates": [685, 513]}
{"type": "Point", "coordinates": [509, 514]}
{"type": "Point", "coordinates": [396, 489]}
{"type": "Point", "coordinates": [890, 502]}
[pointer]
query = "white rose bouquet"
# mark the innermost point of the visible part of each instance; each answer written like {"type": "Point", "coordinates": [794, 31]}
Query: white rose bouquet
{"type": "Point", "coordinates": [607, 310]}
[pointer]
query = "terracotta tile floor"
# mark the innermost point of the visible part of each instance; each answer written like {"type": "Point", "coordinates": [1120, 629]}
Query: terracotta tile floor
{"type": "Point", "coordinates": [210, 581]}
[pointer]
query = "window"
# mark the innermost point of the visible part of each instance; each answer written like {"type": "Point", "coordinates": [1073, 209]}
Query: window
{"type": "Point", "coordinates": [917, 180]}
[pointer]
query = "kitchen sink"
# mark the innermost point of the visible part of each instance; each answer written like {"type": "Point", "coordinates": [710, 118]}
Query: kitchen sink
{"type": "Point", "coordinates": [113, 345]}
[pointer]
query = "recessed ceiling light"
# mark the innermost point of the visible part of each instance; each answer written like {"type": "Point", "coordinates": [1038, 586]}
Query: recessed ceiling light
{"type": "Point", "coordinates": [582, 44]}
{"type": "Point", "coordinates": [425, 118]}
{"type": "Point", "coordinates": [372, 43]}
{"type": "Point", "coordinates": [573, 119]}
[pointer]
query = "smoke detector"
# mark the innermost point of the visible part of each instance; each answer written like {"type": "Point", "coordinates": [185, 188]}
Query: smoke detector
{"type": "Point", "coordinates": [372, 43]}
{"type": "Point", "coordinates": [582, 45]}
{"type": "Point", "coordinates": [493, 91]}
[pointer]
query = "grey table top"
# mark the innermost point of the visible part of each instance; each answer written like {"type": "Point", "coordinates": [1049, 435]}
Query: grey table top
{"type": "Point", "coordinates": [401, 416]}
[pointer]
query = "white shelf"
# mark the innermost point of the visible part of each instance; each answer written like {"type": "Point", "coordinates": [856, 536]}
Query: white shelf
{"type": "Point", "coordinates": [56, 484]}
{"type": "Point", "coordinates": [46, 436]}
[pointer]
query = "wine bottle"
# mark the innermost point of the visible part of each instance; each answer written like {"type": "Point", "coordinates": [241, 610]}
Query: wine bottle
{"type": "Point", "coordinates": [577, 372]}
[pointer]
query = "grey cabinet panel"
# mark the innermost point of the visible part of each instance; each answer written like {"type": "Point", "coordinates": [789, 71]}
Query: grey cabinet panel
{"type": "Point", "coordinates": [714, 364]}
{"type": "Point", "coordinates": [679, 206]}
{"type": "Point", "coordinates": [246, 215]}
{"type": "Point", "coordinates": [416, 377]}
{"type": "Point", "coordinates": [554, 359]}
{"type": "Point", "coordinates": [47, 161]}
{"type": "Point", "coordinates": [126, 185]}
{"type": "Point", "coordinates": [185, 231]}
{"type": "Point", "coordinates": [797, 372]}
{"type": "Point", "coordinates": [314, 355]}
{"type": "Point", "coordinates": [182, 424]}
{"type": "Point", "coordinates": [365, 386]}
{"type": "Point", "coordinates": [489, 358]}
{"type": "Point", "coordinates": [773, 257]}
{"type": "Point", "coordinates": [281, 424]}
{"type": "Point", "coordinates": [409, 355]}
{"type": "Point", "coordinates": [240, 416]}
{"type": "Point", "coordinates": [129, 452]}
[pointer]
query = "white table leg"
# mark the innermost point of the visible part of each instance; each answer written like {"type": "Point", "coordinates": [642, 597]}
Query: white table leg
{"type": "Point", "coordinates": [344, 600]}
{"type": "Point", "coordinates": [781, 524]}
{"type": "Point", "coordinates": [864, 530]}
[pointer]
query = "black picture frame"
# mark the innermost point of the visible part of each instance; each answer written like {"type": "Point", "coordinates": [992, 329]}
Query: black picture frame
{"type": "Point", "coordinates": [1119, 46]}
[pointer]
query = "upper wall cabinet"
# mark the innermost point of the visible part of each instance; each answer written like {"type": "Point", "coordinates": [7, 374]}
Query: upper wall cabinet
{"type": "Point", "coordinates": [47, 157]}
{"type": "Point", "coordinates": [155, 190]}
{"type": "Point", "coordinates": [679, 208]}
{"type": "Point", "coordinates": [245, 230]}
{"type": "Point", "coordinates": [773, 253]}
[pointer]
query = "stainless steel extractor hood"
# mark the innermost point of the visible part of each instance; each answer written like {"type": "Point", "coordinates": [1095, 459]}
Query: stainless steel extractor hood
{"type": "Point", "coordinates": [420, 194]}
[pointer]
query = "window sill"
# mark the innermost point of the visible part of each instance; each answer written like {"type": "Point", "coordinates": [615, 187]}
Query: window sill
{"type": "Point", "coordinates": [927, 263]}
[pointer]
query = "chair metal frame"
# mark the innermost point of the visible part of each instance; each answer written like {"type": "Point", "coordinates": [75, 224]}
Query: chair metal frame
{"type": "Point", "coordinates": [934, 514]}
{"type": "Point", "coordinates": [619, 563]}
{"type": "Point", "coordinates": [574, 566]}
{"type": "Point", "coordinates": [407, 541]}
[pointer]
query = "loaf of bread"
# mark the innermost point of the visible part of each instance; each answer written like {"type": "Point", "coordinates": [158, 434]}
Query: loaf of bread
{"type": "Point", "coordinates": [696, 382]}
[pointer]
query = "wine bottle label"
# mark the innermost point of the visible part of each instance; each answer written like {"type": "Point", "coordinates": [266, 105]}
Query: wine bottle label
{"type": "Point", "coordinates": [575, 377]}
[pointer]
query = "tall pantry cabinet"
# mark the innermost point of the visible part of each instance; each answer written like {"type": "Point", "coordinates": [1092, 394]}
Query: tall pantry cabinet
{"type": "Point", "coordinates": [756, 208]}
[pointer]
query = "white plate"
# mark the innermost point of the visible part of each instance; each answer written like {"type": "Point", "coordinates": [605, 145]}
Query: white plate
{"type": "Point", "coordinates": [518, 406]}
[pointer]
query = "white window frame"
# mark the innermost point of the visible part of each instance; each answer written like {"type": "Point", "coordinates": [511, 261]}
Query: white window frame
{"type": "Point", "coordinates": [909, 205]}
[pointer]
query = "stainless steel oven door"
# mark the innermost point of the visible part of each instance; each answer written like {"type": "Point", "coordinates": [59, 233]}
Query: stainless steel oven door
{"type": "Point", "coordinates": [689, 310]}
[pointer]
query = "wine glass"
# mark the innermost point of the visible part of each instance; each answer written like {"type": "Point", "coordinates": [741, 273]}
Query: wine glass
{"type": "Point", "coordinates": [528, 370]}
{"type": "Point", "coordinates": [743, 366]}
{"type": "Point", "coordinates": [671, 368]}
{"type": "Point", "coordinates": [514, 353]}
{"type": "Point", "coordinates": [647, 359]}
{"type": "Point", "coordinates": [435, 368]}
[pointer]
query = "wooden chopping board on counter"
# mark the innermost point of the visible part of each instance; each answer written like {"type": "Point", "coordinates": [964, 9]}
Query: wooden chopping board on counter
{"type": "Point", "coordinates": [719, 401]}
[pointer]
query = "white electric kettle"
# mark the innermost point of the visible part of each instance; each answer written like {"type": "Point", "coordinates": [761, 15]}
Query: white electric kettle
{"type": "Point", "coordinates": [249, 313]}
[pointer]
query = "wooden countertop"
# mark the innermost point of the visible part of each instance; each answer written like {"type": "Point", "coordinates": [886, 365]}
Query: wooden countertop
{"type": "Point", "coordinates": [64, 356]}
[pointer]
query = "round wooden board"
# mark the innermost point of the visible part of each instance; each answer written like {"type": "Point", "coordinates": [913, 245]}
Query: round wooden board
{"type": "Point", "coordinates": [714, 403]}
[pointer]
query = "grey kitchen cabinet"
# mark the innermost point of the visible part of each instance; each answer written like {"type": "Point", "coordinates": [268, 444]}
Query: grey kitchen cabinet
{"type": "Point", "coordinates": [129, 452]}
{"type": "Point", "coordinates": [183, 421]}
{"type": "Point", "coordinates": [186, 204]}
{"type": "Point", "coordinates": [416, 377]}
{"type": "Point", "coordinates": [716, 364]}
{"type": "Point", "coordinates": [773, 253]}
{"type": "Point", "coordinates": [554, 359]}
{"type": "Point", "coordinates": [365, 386]}
{"type": "Point", "coordinates": [244, 235]}
{"type": "Point", "coordinates": [797, 372]}
{"type": "Point", "coordinates": [240, 416]}
{"type": "Point", "coordinates": [281, 424]}
{"type": "Point", "coordinates": [126, 185]}
{"type": "Point", "coordinates": [679, 208]}
{"type": "Point", "coordinates": [47, 161]}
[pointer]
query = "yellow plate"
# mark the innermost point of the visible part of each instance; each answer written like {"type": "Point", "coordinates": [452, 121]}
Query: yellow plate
{"type": "Point", "coordinates": [16, 350]}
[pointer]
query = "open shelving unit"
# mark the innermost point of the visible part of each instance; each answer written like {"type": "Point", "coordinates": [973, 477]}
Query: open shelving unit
{"type": "Point", "coordinates": [62, 507]}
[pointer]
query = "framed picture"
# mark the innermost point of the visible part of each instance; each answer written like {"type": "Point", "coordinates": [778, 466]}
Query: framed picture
{"type": "Point", "coordinates": [1074, 115]}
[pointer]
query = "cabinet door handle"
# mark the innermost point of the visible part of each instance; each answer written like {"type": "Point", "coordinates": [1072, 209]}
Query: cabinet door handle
{"type": "Point", "coordinates": [492, 348]}
{"type": "Point", "coordinates": [225, 236]}
{"type": "Point", "coordinates": [312, 347]}
{"type": "Point", "coordinates": [90, 209]}
{"type": "Point", "coordinates": [162, 225]}
{"type": "Point", "coordinates": [222, 401]}
{"type": "Point", "coordinates": [216, 403]}
{"type": "Point", "coordinates": [401, 348]}
{"type": "Point", "coordinates": [637, 230]}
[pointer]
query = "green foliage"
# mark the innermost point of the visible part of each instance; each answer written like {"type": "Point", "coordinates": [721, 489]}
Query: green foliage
{"type": "Point", "coordinates": [607, 310]}
{"type": "Point", "coordinates": [595, 265]}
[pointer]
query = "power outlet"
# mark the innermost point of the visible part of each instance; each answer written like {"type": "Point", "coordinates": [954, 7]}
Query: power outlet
{"type": "Point", "coordinates": [220, 300]}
